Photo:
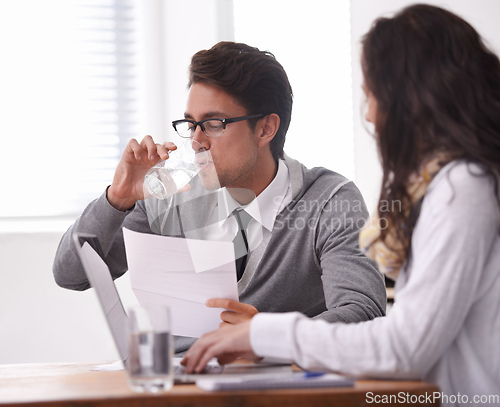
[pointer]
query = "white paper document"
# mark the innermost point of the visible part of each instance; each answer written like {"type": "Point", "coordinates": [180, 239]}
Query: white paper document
{"type": "Point", "coordinates": [183, 274]}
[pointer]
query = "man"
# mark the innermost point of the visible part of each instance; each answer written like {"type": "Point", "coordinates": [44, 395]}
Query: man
{"type": "Point", "coordinates": [301, 242]}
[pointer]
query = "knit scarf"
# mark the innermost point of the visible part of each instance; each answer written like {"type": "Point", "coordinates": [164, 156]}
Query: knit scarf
{"type": "Point", "coordinates": [390, 253]}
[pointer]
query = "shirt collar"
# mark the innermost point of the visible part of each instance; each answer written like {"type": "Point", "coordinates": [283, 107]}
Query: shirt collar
{"type": "Point", "coordinates": [265, 207]}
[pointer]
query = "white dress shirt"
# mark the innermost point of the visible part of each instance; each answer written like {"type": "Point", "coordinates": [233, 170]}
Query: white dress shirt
{"type": "Point", "coordinates": [223, 226]}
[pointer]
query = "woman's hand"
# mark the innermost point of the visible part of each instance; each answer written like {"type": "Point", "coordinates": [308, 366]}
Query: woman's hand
{"type": "Point", "coordinates": [226, 344]}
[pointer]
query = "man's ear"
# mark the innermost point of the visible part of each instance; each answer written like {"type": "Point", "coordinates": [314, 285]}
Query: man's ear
{"type": "Point", "coordinates": [270, 126]}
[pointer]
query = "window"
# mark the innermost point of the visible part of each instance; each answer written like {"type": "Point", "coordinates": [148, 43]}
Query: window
{"type": "Point", "coordinates": [69, 102]}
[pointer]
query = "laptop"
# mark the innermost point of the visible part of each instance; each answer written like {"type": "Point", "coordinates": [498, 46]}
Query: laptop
{"type": "Point", "coordinates": [97, 271]}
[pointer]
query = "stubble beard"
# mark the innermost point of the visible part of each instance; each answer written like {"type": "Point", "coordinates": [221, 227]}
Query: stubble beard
{"type": "Point", "coordinates": [213, 178]}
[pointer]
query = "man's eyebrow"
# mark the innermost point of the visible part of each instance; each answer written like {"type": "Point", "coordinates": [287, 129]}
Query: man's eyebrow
{"type": "Point", "coordinates": [208, 115]}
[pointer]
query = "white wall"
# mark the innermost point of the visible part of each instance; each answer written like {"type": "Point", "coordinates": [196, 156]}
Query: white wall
{"type": "Point", "coordinates": [312, 43]}
{"type": "Point", "coordinates": [481, 14]}
{"type": "Point", "coordinates": [40, 322]}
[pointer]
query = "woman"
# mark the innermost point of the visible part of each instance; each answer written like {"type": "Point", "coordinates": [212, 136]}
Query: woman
{"type": "Point", "coordinates": [433, 95]}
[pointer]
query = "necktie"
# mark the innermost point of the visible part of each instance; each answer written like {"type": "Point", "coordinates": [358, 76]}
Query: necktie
{"type": "Point", "coordinates": [240, 241]}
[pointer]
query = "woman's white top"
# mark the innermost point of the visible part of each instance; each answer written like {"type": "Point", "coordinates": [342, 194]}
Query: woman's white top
{"type": "Point", "coordinates": [445, 324]}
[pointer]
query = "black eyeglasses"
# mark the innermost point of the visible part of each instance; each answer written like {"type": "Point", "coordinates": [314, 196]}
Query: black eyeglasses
{"type": "Point", "coordinates": [211, 127]}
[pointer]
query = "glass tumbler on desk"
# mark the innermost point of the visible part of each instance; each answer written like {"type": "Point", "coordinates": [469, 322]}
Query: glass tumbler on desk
{"type": "Point", "coordinates": [171, 175]}
{"type": "Point", "coordinates": [150, 349]}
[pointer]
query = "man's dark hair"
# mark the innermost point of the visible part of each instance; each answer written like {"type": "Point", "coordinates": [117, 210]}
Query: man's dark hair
{"type": "Point", "coordinates": [253, 77]}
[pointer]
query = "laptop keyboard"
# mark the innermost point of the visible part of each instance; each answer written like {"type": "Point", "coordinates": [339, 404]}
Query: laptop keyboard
{"type": "Point", "coordinates": [211, 369]}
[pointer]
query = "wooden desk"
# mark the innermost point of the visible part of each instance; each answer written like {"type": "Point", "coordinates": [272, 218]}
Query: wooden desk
{"type": "Point", "coordinates": [78, 385]}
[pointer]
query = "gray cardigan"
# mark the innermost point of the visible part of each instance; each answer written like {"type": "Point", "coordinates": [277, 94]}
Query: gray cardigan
{"type": "Point", "coordinates": [311, 263]}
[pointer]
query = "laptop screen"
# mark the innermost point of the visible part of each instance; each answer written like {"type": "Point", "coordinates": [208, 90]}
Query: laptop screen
{"type": "Point", "coordinates": [100, 279]}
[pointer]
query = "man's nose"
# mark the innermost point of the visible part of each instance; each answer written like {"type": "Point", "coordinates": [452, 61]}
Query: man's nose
{"type": "Point", "coordinates": [201, 138]}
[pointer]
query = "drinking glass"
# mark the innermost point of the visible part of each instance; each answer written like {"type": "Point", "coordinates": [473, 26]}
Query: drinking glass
{"type": "Point", "coordinates": [171, 175]}
{"type": "Point", "coordinates": [150, 349]}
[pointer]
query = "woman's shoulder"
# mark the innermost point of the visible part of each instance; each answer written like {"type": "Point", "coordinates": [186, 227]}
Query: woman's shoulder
{"type": "Point", "coordinates": [463, 174]}
{"type": "Point", "coordinates": [466, 185]}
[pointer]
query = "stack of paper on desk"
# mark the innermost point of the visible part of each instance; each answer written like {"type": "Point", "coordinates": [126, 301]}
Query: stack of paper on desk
{"type": "Point", "coordinates": [183, 274]}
